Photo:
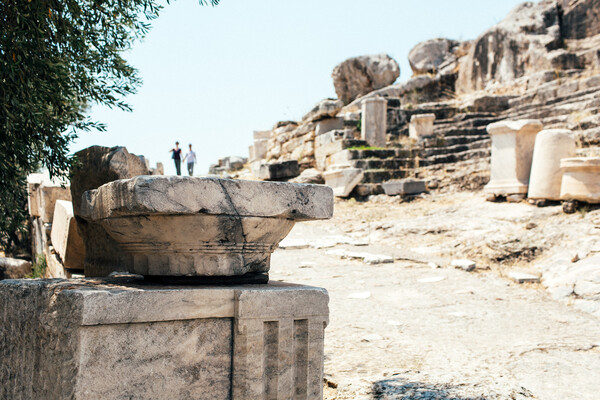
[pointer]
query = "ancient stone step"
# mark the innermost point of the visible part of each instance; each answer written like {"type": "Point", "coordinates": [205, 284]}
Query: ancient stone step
{"type": "Point", "coordinates": [461, 132]}
{"type": "Point", "coordinates": [382, 175]}
{"type": "Point", "coordinates": [461, 156]}
{"type": "Point", "coordinates": [453, 140]}
{"type": "Point", "coordinates": [390, 163]}
{"type": "Point", "coordinates": [459, 148]}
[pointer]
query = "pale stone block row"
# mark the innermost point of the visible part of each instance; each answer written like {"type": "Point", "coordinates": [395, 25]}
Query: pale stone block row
{"type": "Point", "coordinates": [551, 145]}
{"type": "Point", "coordinates": [107, 340]}
{"type": "Point", "coordinates": [374, 121]}
{"type": "Point", "coordinates": [512, 151]}
{"type": "Point", "coordinates": [581, 179]}
{"type": "Point", "coordinates": [421, 126]}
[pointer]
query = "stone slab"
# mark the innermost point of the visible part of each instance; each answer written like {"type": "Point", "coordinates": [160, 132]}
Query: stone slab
{"type": "Point", "coordinates": [403, 187]}
{"type": "Point", "coordinates": [343, 180]}
{"type": "Point", "coordinates": [279, 170]}
{"type": "Point", "coordinates": [123, 338]}
{"type": "Point", "coordinates": [66, 240]}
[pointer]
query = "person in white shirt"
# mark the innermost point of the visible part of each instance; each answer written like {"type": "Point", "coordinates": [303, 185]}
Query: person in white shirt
{"type": "Point", "coordinates": [191, 160]}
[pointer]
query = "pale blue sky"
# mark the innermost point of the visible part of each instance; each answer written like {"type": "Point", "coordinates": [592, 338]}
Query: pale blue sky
{"type": "Point", "coordinates": [212, 75]}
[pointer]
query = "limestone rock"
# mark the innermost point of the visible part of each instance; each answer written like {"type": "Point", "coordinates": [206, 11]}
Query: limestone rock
{"type": "Point", "coordinates": [14, 268]}
{"type": "Point", "coordinates": [324, 109]}
{"type": "Point", "coordinates": [66, 240]}
{"type": "Point", "coordinates": [358, 76]}
{"type": "Point", "coordinates": [343, 178]}
{"type": "Point", "coordinates": [309, 175]}
{"type": "Point", "coordinates": [432, 55]}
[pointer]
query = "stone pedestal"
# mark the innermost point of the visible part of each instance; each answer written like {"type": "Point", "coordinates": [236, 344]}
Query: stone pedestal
{"type": "Point", "coordinates": [512, 150]}
{"type": "Point", "coordinates": [115, 339]}
{"type": "Point", "coordinates": [374, 121]}
{"type": "Point", "coordinates": [421, 126]}
{"type": "Point", "coordinates": [581, 179]}
{"type": "Point", "coordinates": [551, 145]}
{"type": "Point", "coordinates": [194, 227]}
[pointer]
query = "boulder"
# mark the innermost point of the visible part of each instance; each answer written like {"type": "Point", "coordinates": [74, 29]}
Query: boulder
{"type": "Point", "coordinates": [14, 268]}
{"type": "Point", "coordinates": [432, 55]}
{"type": "Point", "coordinates": [97, 165]}
{"type": "Point", "coordinates": [358, 76]}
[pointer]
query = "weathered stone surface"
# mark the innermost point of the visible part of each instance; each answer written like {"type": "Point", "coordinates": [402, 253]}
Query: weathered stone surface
{"type": "Point", "coordinates": [309, 175]}
{"type": "Point", "coordinates": [329, 124]}
{"type": "Point", "coordinates": [279, 171]}
{"type": "Point", "coordinates": [358, 76]}
{"type": "Point", "coordinates": [107, 339]}
{"type": "Point", "coordinates": [403, 187]}
{"type": "Point", "coordinates": [374, 121]}
{"type": "Point", "coordinates": [327, 108]}
{"type": "Point", "coordinates": [551, 145]}
{"type": "Point", "coordinates": [43, 194]}
{"type": "Point", "coordinates": [342, 178]}
{"type": "Point", "coordinates": [257, 135]}
{"type": "Point", "coordinates": [421, 125]}
{"type": "Point", "coordinates": [14, 268]}
{"type": "Point", "coordinates": [260, 148]}
{"type": "Point", "coordinates": [431, 55]}
{"type": "Point", "coordinates": [66, 240]}
{"type": "Point", "coordinates": [96, 166]}
{"type": "Point", "coordinates": [185, 226]}
{"type": "Point", "coordinates": [512, 151]}
{"type": "Point", "coordinates": [581, 179]}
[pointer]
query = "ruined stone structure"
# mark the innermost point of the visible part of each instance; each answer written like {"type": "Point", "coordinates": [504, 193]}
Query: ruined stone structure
{"type": "Point", "coordinates": [550, 53]}
{"type": "Point", "coordinates": [133, 336]}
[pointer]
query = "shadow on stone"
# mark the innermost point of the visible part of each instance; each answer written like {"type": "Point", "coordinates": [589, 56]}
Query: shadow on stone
{"type": "Point", "coordinates": [399, 388]}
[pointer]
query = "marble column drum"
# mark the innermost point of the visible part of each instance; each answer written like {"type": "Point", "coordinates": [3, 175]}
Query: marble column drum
{"type": "Point", "coordinates": [551, 145]}
{"type": "Point", "coordinates": [512, 151]}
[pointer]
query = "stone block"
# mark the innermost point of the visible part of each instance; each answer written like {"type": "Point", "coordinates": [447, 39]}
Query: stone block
{"type": "Point", "coordinates": [328, 124]}
{"type": "Point", "coordinates": [421, 126]}
{"type": "Point", "coordinates": [324, 109]}
{"type": "Point", "coordinates": [115, 339]}
{"type": "Point", "coordinates": [43, 193]}
{"type": "Point", "coordinates": [551, 145]}
{"type": "Point", "coordinates": [260, 149]}
{"type": "Point", "coordinates": [581, 179]}
{"type": "Point", "coordinates": [342, 179]}
{"type": "Point", "coordinates": [403, 187]}
{"type": "Point", "coordinates": [14, 268]}
{"type": "Point", "coordinates": [191, 226]}
{"type": "Point", "coordinates": [279, 171]}
{"type": "Point", "coordinates": [66, 240]}
{"type": "Point", "coordinates": [257, 135]}
{"type": "Point", "coordinates": [374, 121]}
{"type": "Point", "coordinates": [512, 151]}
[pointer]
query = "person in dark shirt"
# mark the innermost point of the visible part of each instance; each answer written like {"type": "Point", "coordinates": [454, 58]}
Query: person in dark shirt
{"type": "Point", "coordinates": [176, 156]}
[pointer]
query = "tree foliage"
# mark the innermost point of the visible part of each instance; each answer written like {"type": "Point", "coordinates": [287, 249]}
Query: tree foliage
{"type": "Point", "coordinates": [58, 57]}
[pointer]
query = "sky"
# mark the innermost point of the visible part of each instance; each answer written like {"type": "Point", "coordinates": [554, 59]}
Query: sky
{"type": "Point", "coordinates": [213, 75]}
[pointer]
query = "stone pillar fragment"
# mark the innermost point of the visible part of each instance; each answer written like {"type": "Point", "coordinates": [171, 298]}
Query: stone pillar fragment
{"type": "Point", "coordinates": [66, 240]}
{"type": "Point", "coordinates": [374, 121]}
{"type": "Point", "coordinates": [512, 151]}
{"type": "Point", "coordinates": [551, 145]}
{"type": "Point", "coordinates": [581, 179]}
{"type": "Point", "coordinates": [421, 126]}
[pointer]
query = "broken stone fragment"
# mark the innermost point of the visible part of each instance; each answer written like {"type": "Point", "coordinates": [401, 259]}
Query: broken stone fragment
{"type": "Point", "coordinates": [186, 226]}
{"type": "Point", "coordinates": [343, 179]}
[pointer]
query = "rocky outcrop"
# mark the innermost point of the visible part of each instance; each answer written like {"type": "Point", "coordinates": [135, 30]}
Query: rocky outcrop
{"type": "Point", "coordinates": [433, 55]}
{"type": "Point", "coordinates": [360, 75]}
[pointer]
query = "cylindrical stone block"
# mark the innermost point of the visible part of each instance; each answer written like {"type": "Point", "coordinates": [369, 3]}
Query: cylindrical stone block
{"type": "Point", "coordinates": [551, 145]}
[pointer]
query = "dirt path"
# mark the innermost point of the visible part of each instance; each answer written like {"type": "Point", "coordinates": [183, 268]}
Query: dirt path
{"type": "Point", "coordinates": [405, 330]}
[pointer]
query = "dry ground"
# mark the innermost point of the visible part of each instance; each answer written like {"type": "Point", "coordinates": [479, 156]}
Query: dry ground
{"type": "Point", "coordinates": [411, 330]}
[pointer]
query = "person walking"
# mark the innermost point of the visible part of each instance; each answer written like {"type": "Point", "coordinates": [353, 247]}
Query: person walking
{"type": "Point", "coordinates": [191, 160]}
{"type": "Point", "coordinates": [176, 156]}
